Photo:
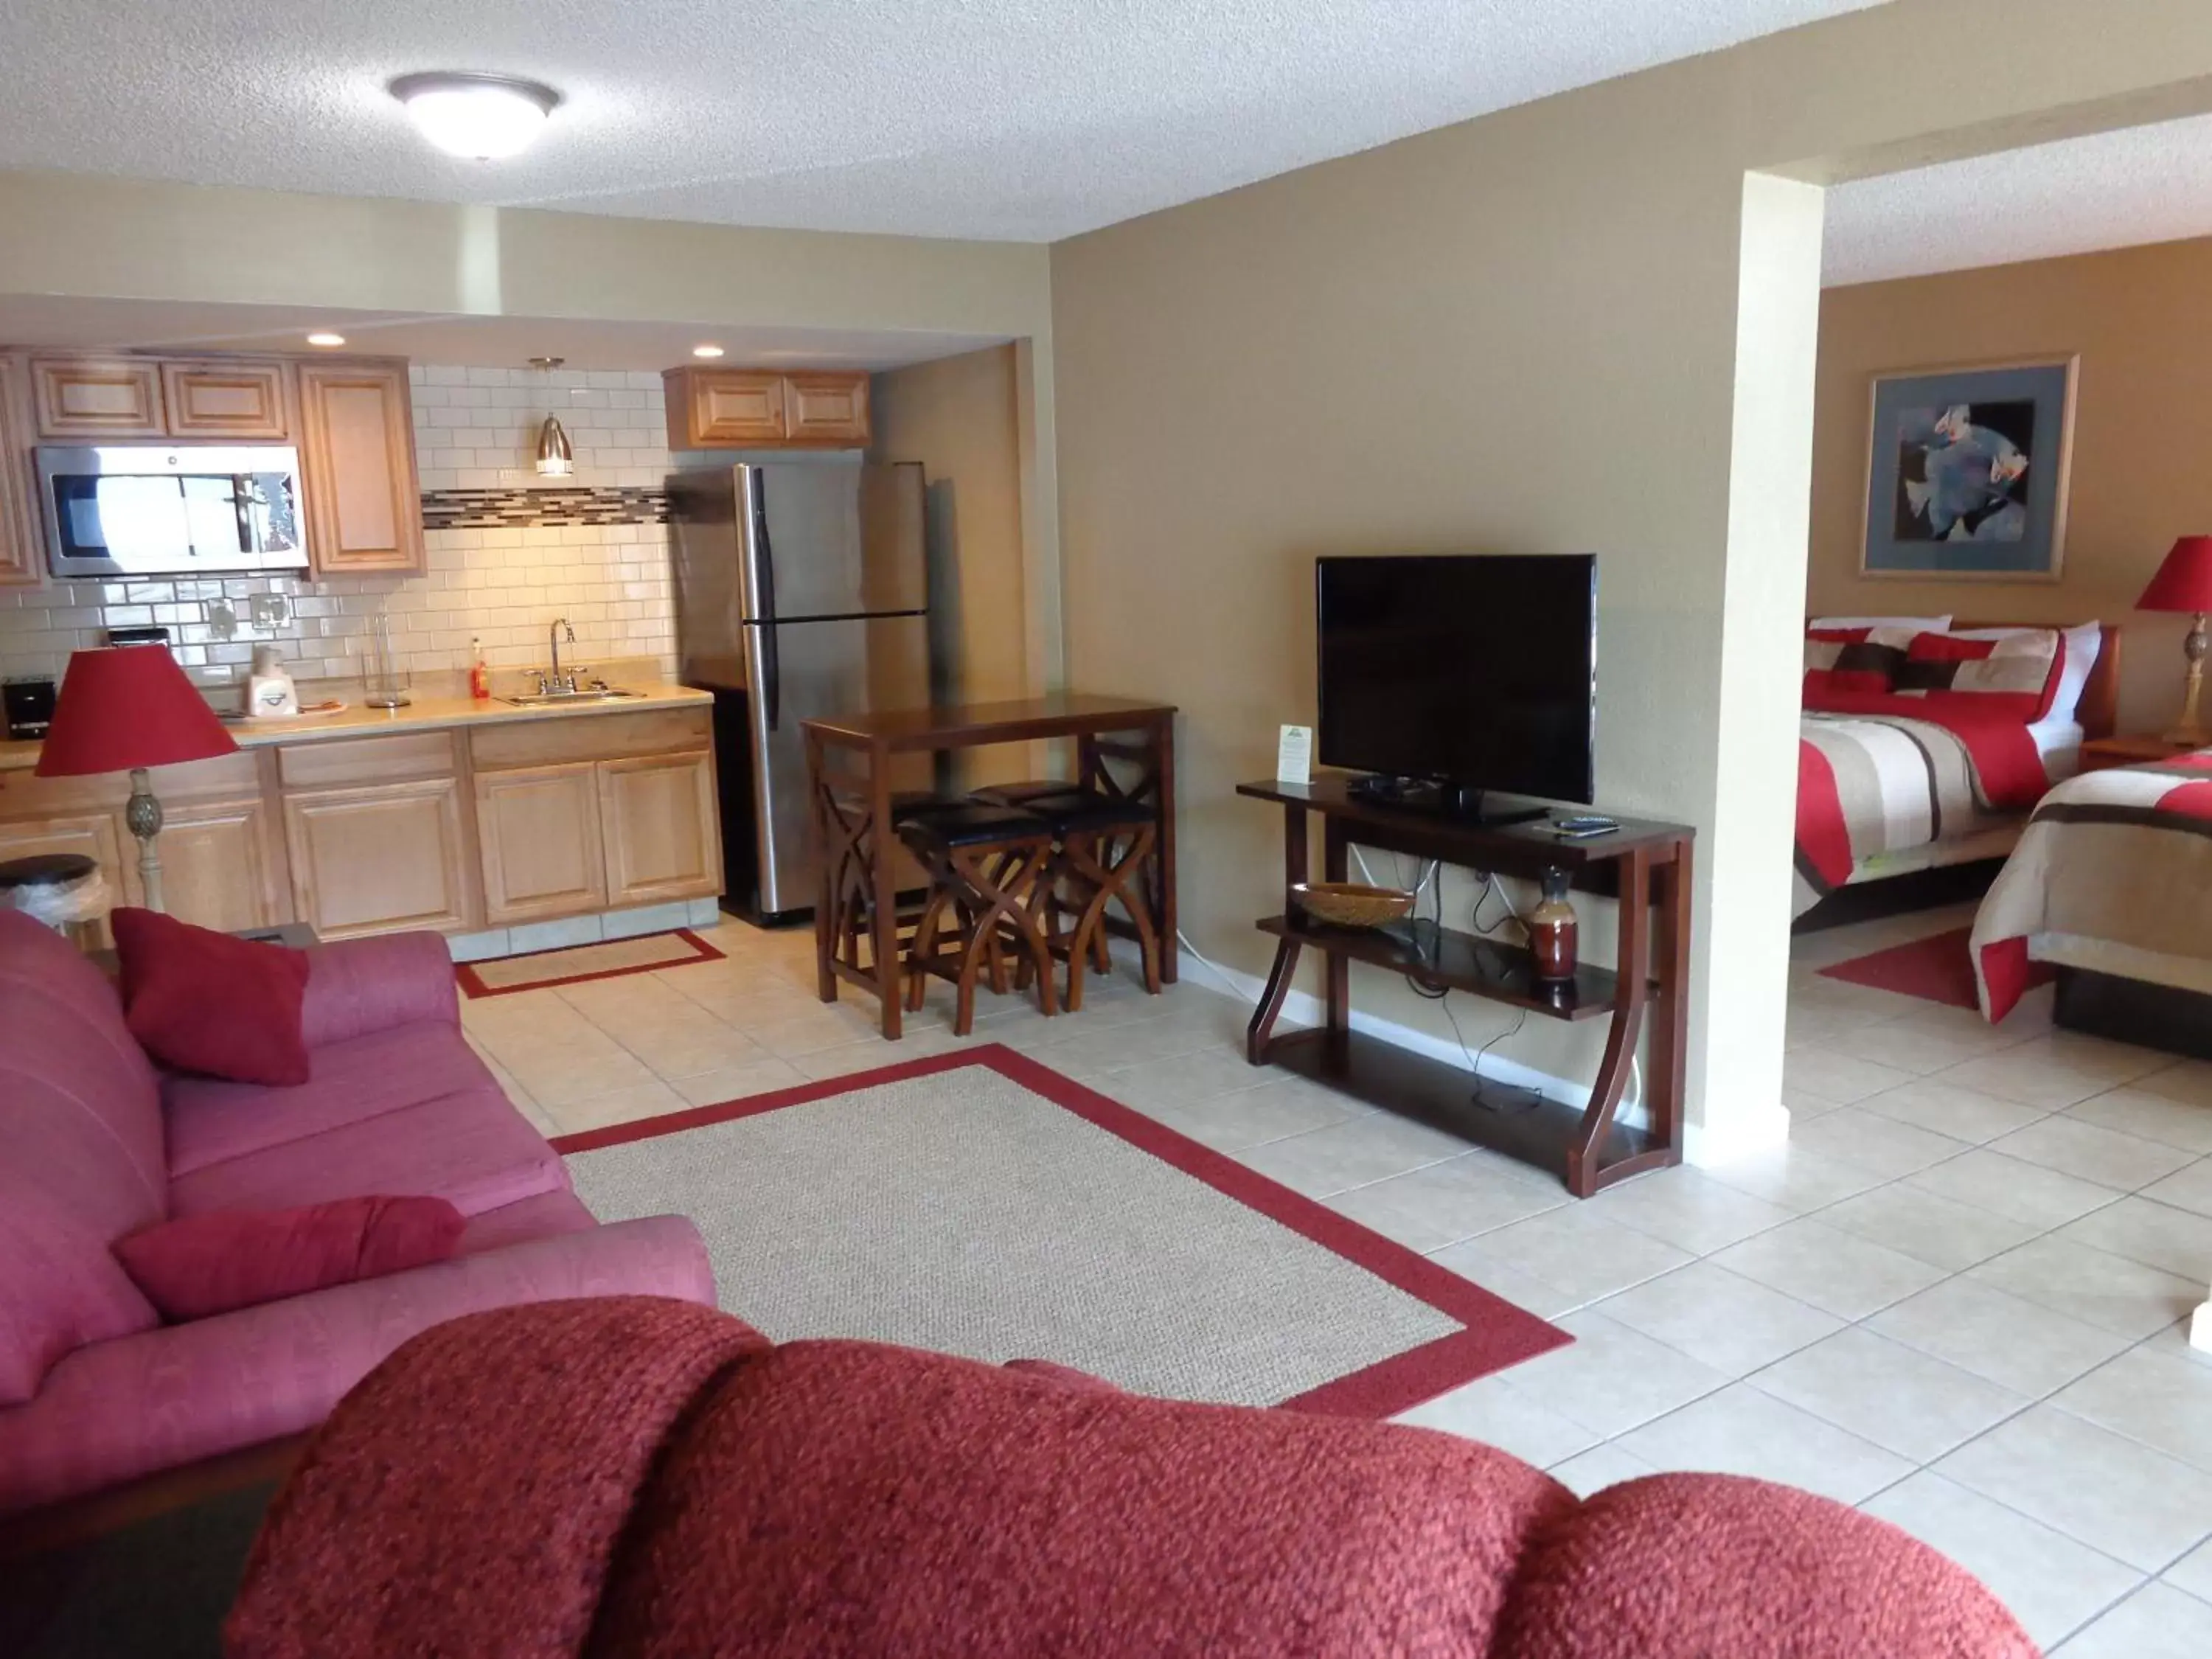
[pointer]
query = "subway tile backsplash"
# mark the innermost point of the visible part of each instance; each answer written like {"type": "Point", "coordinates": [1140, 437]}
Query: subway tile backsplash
{"type": "Point", "coordinates": [475, 428]}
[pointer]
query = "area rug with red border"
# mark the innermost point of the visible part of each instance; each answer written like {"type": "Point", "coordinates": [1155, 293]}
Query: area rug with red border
{"type": "Point", "coordinates": [979, 1203]}
{"type": "Point", "coordinates": [572, 964]}
{"type": "Point", "coordinates": [1937, 969]}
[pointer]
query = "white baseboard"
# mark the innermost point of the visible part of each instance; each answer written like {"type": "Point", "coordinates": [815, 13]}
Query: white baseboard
{"type": "Point", "coordinates": [1751, 1133]}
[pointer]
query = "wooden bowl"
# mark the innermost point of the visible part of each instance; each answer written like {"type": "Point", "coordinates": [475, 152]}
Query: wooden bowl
{"type": "Point", "coordinates": [1350, 904]}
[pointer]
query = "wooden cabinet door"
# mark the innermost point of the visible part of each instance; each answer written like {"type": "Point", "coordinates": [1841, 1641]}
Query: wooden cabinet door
{"type": "Point", "coordinates": [97, 836]}
{"type": "Point", "coordinates": [23, 558]}
{"type": "Point", "coordinates": [98, 397]}
{"type": "Point", "coordinates": [657, 816]}
{"type": "Point", "coordinates": [219, 865]}
{"type": "Point", "coordinates": [210, 398]}
{"type": "Point", "coordinates": [539, 829]}
{"type": "Point", "coordinates": [357, 467]}
{"type": "Point", "coordinates": [724, 408]}
{"type": "Point", "coordinates": [828, 410]}
{"type": "Point", "coordinates": [378, 859]}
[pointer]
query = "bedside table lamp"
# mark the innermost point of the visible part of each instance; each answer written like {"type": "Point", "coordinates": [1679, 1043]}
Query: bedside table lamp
{"type": "Point", "coordinates": [124, 708]}
{"type": "Point", "coordinates": [2184, 584]}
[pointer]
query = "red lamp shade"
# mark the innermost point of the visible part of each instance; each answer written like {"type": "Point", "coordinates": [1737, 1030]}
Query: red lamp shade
{"type": "Point", "coordinates": [2183, 582]}
{"type": "Point", "coordinates": [125, 707]}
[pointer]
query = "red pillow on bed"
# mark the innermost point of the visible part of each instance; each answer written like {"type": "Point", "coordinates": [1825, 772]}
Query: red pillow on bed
{"type": "Point", "coordinates": [2017, 674]}
{"type": "Point", "coordinates": [1842, 662]}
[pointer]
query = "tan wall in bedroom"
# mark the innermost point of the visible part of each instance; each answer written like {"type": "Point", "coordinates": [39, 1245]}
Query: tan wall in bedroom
{"type": "Point", "coordinates": [2140, 320]}
{"type": "Point", "coordinates": [960, 417]}
{"type": "Point", "coordinates": [1524, 333]}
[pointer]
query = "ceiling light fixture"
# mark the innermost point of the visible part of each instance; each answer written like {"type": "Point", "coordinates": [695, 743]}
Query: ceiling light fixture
{"type": "Point", "coordinates": [485, 118]}
{"type": "Point", "coordinates": [556, 458]}
{"type": "Point", "coordinates": [705, 351]}
{"type": "Point", "coordinates": [326, 339]}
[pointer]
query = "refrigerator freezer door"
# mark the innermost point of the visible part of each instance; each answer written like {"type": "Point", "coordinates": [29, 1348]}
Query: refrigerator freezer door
{"type": "Point", "coordinates": [799, 670]}
{"type": "Point", "coordinates": [704, 542]}
{"type": "Point", "coordinates": [831, 538]}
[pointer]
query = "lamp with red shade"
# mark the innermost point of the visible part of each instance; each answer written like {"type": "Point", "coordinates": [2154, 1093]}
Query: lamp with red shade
{"type": "Point", "coordinates": [2183, 583]}
{"type": "Point", "coordinates": [124, 708]}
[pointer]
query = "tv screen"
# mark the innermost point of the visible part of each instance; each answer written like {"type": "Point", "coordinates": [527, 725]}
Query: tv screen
{"type": "Point", "coordinates": [1476, 671]}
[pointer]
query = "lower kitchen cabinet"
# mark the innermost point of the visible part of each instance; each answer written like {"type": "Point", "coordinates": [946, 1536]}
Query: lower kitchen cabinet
{"type": "Point", "coordinates": [657, 813]}
{"type": "Point", "coordinates": [219, 866]}
{"type": "Point", "coordinates": [379, 859]}
{"type": "Point", "coordinates": [539, 828]}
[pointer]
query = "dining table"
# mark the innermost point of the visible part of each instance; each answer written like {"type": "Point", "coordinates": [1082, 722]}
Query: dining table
{"type": "Point", "coordinates": [1124, 747]}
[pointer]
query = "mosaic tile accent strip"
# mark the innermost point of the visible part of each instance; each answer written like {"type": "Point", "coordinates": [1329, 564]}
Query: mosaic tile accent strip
{"type": "Point", "coordinates": [485, 509]}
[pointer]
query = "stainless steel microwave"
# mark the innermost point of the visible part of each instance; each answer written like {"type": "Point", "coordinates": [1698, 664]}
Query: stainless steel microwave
{"type": "Point", "coordinates": [171, 509]}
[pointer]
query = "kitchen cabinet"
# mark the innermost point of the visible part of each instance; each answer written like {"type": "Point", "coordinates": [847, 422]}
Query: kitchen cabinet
{"type": "Point", "coordinates": [757, 409]}
{"type": "Point", "coordinates": [657, 817]}
{"type": "Point", "coordinates": [218, 399]}
{"type": "Point", "coordinates": [539, 830]}
{"type": "Point", "coordinates": [357, 467]}
{"type": "Point", "coordinates": [826, 409]}
{"type": "Point", "coordinates": [95, 398]}
{"type": "Point", "coordinates": [378, 858]}
{"type": "Point", "coordinates": [220, 865]}
{"type": "Point", "coordinates": [22, 559]}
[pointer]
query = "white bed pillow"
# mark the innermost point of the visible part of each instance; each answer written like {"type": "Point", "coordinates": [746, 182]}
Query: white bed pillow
{"type": "Point", "coordinates": [2084, 641]}
{"type": "Point", "coordinates": [1919, 624]}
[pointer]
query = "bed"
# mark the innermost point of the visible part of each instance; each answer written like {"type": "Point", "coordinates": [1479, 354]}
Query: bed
{"type": "Point", "coordinates": [2111, 883]}
{"type": "Point", "coordinates": [1925, 742]}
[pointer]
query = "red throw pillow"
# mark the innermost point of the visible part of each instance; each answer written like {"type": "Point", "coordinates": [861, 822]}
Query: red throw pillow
{"type": "Point", "coordinates": [198, 1000]}
{"type": "Point", "coordinates": [211, 1264]}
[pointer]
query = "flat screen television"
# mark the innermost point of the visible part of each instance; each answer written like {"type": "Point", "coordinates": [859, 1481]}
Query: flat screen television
{"type": "Point", "coordinates": [1475, 673]}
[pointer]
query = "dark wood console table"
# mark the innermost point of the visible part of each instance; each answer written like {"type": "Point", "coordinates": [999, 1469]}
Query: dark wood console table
{"type": "Point", "coordinates": [1646, 865]}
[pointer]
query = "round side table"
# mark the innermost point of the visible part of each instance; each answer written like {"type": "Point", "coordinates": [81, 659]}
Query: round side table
{"type": "Point", "coordinates": [62, 889]}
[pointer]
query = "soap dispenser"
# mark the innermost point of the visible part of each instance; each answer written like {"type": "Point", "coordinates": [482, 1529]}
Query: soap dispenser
{"type": "Point", "coordinates": [269, 693]}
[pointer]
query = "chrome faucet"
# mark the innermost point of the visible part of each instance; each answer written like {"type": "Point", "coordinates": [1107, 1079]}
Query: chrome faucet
{"type": "Point", "coordinates": [555, 681]}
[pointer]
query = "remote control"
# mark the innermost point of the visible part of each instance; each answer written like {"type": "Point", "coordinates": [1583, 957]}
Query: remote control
{"type": "Point", "coordinates": [1583, 825]}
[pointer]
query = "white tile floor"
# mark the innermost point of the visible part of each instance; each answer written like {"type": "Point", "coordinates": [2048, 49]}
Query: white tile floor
{"type": "Point", "coordinates": [1959, 1297]}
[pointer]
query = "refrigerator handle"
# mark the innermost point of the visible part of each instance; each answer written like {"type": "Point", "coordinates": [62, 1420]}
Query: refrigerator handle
{"type": "Point", "coordinates": [771, 687]}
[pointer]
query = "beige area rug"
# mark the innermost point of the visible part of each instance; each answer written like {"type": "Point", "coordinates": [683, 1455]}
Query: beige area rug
{"type": "Point", "coordinates": [979, 1204]}
{"type": "Point", "coordinates": [498, 976]}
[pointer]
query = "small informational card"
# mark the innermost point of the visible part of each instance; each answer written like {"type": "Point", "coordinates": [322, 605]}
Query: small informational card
{"type": "Point", "coordinates": [1294, 756]}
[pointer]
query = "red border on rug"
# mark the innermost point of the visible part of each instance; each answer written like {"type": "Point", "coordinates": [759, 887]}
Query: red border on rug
{"type": "Point", "coordinates": [1937, 969]}
{"type": "Point", "coordinates": [472, 984]}
{"type": "Point", "coordinates": [1496, 1333]}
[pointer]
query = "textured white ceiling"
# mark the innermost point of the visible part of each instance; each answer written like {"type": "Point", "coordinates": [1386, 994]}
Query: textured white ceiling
{"type": "Point", "coordinates": [2150, 183]}
{"type": "Point", "coordinates": [1027, 119]}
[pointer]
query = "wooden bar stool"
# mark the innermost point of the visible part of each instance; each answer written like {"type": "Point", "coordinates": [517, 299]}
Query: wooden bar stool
{"type": "Point", "coordinates": [1102, 844]}
{"type": "Point", "coordinates": [984, 863]}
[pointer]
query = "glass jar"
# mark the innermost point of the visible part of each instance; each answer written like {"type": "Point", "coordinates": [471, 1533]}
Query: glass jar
{"type": "Point", "coordinates": [1551, 930]}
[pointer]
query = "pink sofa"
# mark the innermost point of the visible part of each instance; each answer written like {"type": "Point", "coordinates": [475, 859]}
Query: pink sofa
{"type": "Point", "coordinates": [96, 1143]}
{"type": "Point", "coordinates": [630, 1479]}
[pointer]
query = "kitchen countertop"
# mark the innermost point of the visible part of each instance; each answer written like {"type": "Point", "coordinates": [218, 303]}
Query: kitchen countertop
{"type": "Point", "coordinates": [424, 713]}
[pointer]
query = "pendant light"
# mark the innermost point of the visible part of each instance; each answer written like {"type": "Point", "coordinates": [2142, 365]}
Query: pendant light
{"type": "Point", "coordinates": [556, 458]}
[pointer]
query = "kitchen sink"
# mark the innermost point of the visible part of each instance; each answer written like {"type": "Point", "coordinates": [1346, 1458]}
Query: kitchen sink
{"type": "Point", "coordinates": [590, 693]}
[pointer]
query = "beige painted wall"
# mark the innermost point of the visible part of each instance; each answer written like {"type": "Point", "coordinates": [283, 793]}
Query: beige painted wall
{"type": "Point", "coordinates": [960, 417]}
{"type": "Point", "coordinates": [1525, 333]}
{"type": "Point", "coordinates": [2140, 320]}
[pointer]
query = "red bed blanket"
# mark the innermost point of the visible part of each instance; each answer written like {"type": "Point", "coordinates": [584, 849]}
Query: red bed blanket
{"type": "Point", "coordinates": [2121, 858]}
{"type": "Point", "coordinates": [1884, 773]}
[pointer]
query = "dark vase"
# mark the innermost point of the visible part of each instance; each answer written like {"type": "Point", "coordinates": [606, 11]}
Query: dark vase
{"type": "Point", "coordinates": [1551, 930]}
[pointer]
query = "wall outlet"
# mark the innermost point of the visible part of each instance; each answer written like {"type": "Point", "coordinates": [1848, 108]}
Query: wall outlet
{"type": "Point", "coordinates": [221, 619]}
{"type": "Point", "coordinates": [269, 610]}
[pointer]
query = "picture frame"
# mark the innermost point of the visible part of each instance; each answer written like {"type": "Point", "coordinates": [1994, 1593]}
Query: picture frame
{"type": "Point", "coordinates": [1969, 469]}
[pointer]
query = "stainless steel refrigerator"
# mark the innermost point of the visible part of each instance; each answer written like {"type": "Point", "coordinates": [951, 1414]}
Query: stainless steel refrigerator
{"type": "Point", "coordinates": [801, 589]}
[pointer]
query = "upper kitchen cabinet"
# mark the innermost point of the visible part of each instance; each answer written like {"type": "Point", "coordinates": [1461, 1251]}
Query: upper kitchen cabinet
{"type": "Point", "coordinates": [217, 398]}
{"type": "Point", "coordinates": [98, 397]}
{"type": "Point", "coordinates": [20, 563]}
{"type": "Point", "coordinates": [756, 408]}
{"type": "Point", "coordinates": [357, 467]}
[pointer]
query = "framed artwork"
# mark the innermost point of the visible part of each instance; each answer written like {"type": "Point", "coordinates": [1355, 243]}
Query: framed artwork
{"type": "Point", "coordinates": [1968, 473]}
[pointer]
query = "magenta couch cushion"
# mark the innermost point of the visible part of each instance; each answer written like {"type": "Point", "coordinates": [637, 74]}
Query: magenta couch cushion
{"type": "Point", "coordinates": [211, 1264]}
{"type": "Point", "coordinates": [354, 1079]}
{"type": "Point", "coordinates": [203, 1001]}
{"type": "Point", "coordinates": [472, 1147]}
